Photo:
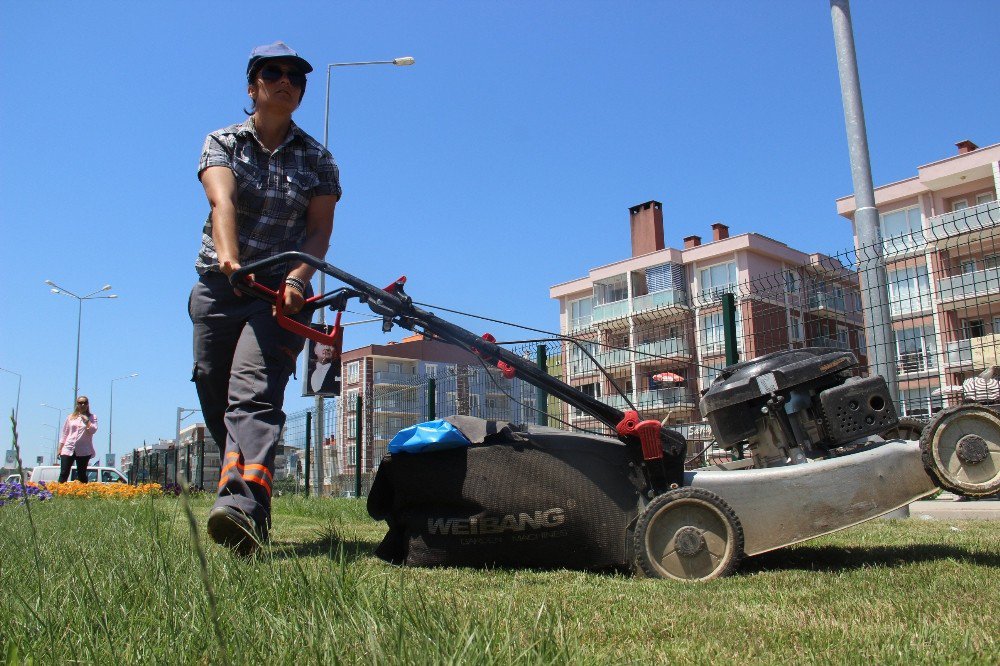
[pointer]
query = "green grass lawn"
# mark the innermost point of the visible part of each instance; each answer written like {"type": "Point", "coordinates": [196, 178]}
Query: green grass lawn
{"type": "Point", "coordinates": [102, 581]}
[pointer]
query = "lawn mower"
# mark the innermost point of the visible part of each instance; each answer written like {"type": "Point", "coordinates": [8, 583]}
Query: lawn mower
{"type": "Point", "coordinates": [534, 496]}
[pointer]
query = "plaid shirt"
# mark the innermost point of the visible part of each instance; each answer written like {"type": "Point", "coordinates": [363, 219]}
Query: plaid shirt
{"type": "Point", "coordinates": [273, 190]}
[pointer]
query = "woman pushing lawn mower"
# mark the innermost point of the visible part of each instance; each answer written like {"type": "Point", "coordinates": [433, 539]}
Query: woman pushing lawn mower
{"type": "Point", "coordinates": [271, 188]}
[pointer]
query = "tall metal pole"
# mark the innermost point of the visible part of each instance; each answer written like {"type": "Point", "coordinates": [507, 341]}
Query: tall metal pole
{"type": "Point", "coordinates": [111, 409]}
{"type": "Point", "coordinates": [76, 376]}
{"type": "Point", "coordinates": [871, 263]}
{"type": "Point", "coordinates": [541, 397]}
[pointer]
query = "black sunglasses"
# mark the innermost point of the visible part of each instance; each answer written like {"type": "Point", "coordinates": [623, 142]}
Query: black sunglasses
{"type": "Point", "coordinates": [272, 73]}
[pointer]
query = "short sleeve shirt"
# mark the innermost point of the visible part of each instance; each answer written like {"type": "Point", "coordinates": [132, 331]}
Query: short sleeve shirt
{"type": "Point", "coordinates": [273, 190]}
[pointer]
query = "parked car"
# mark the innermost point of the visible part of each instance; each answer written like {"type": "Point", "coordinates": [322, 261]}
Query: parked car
{"type": "Point", "coordinates": [13, 478]}
{"type": "Point", "coordinates": [46, 473]}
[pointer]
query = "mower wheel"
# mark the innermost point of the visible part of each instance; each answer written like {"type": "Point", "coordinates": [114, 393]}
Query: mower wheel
{"type": "Point", "coordinates": [961, 450]}
{"type": "Point", "coordinates": [688, 534]}
{"type": "Point", "coordinates": [907, 428]}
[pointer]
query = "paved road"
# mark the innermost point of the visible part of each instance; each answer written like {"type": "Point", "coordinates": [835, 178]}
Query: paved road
{"type": "Point", "coordinates": [946, 508]}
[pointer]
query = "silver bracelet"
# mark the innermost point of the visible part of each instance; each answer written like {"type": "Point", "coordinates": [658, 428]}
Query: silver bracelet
{"type": "Point", "coordinates": [297, 283]}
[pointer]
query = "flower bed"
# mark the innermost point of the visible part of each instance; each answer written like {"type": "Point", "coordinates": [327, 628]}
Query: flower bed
{"type": "Point", "coordinates": [11, 493]}
{"type": "Point", "coordinates": [104, 490]}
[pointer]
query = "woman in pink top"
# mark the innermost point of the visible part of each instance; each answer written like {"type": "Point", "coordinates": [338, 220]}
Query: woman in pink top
{"type": "Point", "coordinates": [77, 441]}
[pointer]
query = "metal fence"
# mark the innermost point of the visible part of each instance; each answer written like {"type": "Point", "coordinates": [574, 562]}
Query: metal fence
{"type": "Point", "coordinates": [660, 351]}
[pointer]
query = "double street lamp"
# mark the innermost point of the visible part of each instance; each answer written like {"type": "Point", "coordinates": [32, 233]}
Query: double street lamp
{"type": "Point", "coordinates": [399, 62]}
{"type": "Point", "coordinates": [56, 289]}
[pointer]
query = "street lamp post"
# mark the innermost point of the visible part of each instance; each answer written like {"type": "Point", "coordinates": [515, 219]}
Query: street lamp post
{"type": "Point", "coordinates": [17, 403]}
{"type": "Point", "coordinates": [111, 409]}
{"type": "Point", "coordinates": [56, 289]}
{"type": "Point", "coordinates": [399, 62]}
{"type": "Point", "coordinates": [55, 450]}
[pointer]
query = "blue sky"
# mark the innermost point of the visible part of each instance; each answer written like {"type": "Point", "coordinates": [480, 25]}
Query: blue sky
{"type": "Point", "coordinates": [502, 163]}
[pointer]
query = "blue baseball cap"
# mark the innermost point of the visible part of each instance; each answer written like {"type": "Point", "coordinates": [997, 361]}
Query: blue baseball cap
{"type": "Point", "coordinates": [276, 50]}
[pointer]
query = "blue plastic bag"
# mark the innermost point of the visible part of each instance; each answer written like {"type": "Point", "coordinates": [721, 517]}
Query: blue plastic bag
{"type": "Point", "coordinates": [429, 436]}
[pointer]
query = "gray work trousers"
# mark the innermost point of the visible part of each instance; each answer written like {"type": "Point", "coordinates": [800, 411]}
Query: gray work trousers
{"type": "Point", "coordinates": [242, 362]}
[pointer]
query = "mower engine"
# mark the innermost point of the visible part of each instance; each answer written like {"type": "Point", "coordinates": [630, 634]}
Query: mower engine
{"type": "Point", "coordinates": [793, 406]}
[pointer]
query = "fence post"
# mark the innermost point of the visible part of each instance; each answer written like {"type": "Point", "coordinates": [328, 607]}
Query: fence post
{"type": "Point", "coordinates": [308, 447]}
{"type": "Point", "coordinates": [431, 398]}
{"type": "Point", "coordinates": [729, 327]}
{"type": "Point", "coordinates": [541, 397]}
{"type": "Point", "coordinates": [357, 446]}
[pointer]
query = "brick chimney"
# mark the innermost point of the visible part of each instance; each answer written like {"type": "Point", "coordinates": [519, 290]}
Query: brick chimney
{"type": "Point", "coordinates": [965, 146]}
{"type": "Point", "coordinates": [719, 231]}
{"type": "Point", "coordinates": [646, 221]}
{"type": "Point", "coordinates": [691, 241]}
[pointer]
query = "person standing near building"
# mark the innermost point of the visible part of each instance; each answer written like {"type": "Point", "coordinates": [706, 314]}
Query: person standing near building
{"type": "Point", "coordinates": [76, 441]}
{"type": "Point", "coordinates": [271, 188]}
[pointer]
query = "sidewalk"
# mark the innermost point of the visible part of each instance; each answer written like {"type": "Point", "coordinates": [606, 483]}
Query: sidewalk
{"type": "Point", "coordinates": [945, 507]}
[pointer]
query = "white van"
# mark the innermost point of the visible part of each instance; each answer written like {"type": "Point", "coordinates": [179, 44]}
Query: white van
{"type": "Point", "coordinates": [46, 473]}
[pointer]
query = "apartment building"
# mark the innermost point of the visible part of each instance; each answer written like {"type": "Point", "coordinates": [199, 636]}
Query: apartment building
{"type": "Point", "coordinates": [393, 383]}
{"type": "Point", "coordinates": [653, 322]}
{"type": "Point", "coordinates": [942, 258]}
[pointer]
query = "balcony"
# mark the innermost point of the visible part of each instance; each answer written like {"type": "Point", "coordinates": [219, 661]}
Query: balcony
{"type": "Point", "coordinates": [650, 352]}
{"type": "Point", "coordinates": [958, 352]}
{"type": "Point", "coordinates": [830, 343]}
{"type": "Point", "coordinates": [975, 218]}
{"type": "Point", "coordinates": [915, 362]}
{"type": "Point", "coordinates": [969, 285]}
{"type": "Point", "coordinates": [660, 300]}
{"type": "Point", "coordinates": [610, 311]}
{"type": "Point", "coordinates": [385, 377]}
{"type": "Point", "coordinates": [663, 398]}
{"type": "Point", "coordinates": [822, 301]}
{"type": "Point", "coordinates": [614, 357]}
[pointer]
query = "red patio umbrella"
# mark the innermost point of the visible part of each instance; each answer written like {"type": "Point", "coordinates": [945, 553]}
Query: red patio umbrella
{"type": "Point", "coordinates": [668, 378]}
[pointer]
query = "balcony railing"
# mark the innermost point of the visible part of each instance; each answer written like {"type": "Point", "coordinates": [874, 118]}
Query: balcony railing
{"type": "Point", "coordinates": [831, 343]}
{"type": "Point", "coordinates": [974, 218]}
{"type": "Point", "coordinates": [819, 300]}
{"type": "Point", "coordinates": [608, 311]}
{"type": "Point", "coordinates": [958, 352]}
{"type": "Point", "coordinates": [912, 362]}
{"type": "Point", "coordinates": [658, 300]}
{"type": "Point", "coordinates": [667, 397]}
{"type": "Point", "coordinates": [385, 377]}
{"type": "Point", "coordinates": [614, 357]}
{"type": "Point", "coordinates": [649, 351]}
{"type": "Point", "coordinates": [969, 285]}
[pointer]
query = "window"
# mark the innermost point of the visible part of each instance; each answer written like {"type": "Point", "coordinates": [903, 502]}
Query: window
{"type": "Point", "coordinates": [580, 313]}
{"type": "Point", "coordinates": [474, 404]}
{"type": "Point", "coordinates": [973, 328]}
{"type": "Point", "coordinates": [901, 230]}
{"type": "Point", "coordinates": [862, 342]}
{"type": "Point", "coordinates": [968, 266]}
{"type": "Point", "coordinates": [593, 390]}
{"type": "Point", "coordinates": [992, 261]}
{"type": "Point", "coordinates": [985, 197]}
{"type": "Point", "coordinates": [718, 279]}
{"type": "Point", "coordinates": [579, 362]}
{"type": "Point", "coordinates": [353, 372]}
{"type": "Point", "coordinates": [959, 204]}
{"type": "Point", "coordinates": [396, 368]}
{"type": "Point", "coordinates": [795, 332]}
{"type": "Point", "coordinates": [916, 349]}
{"type": "Point", "coordinates": [915, 402]}
{"type": "Point", "coordinates": [431, 369]}
{"type": "Point", "coordinates": [842, 339]}
{"type": "Point", "coordinates": [709, 372]}
{"type": "Point", "coordinates": [610, 291]}
{"type": "Point", "coordinates": [713, 338]}
{"type": "Point", "coordinates": [791, 282]}
{"type": "Point", "coordinates": [909, 291]}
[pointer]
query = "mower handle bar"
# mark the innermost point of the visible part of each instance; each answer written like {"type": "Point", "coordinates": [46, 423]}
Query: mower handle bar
{"type": "Point", "coordinates": [396, 307]}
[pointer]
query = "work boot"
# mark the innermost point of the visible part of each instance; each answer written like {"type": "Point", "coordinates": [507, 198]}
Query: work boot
{"type": "Point", "coordinates": [234, 529]}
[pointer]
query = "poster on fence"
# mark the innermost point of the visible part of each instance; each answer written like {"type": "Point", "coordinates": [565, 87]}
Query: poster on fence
{"type": "Point", "coordinates": [322, 367]}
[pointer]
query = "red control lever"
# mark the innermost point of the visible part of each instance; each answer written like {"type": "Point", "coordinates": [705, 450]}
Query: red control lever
{"type": "Point", "coordinates": [648, 433]}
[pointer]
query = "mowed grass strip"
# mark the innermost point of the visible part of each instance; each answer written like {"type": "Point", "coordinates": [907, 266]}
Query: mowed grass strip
{"type": "Point", "coordinates": [120, 583]}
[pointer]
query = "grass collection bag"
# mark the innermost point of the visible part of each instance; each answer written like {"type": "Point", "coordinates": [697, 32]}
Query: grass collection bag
{"type": "Point", "coordinates": [517, 497]}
